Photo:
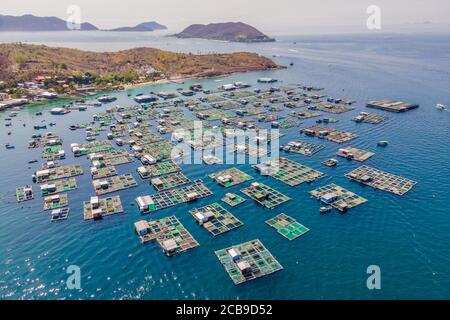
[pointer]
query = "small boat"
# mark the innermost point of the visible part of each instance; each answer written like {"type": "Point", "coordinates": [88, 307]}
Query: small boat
{"type": "Point", "coordinates": [441, 106]}
{"type": "Point", "coordinates": [40, 127]}
{"type": "Point", "coordinates": [32, 161]}
{"type": "Point", "coordinates": [9, 146]}
{"type": "Point", "coordinates": [90, 138]}
{"type": "Point", "coordinates": [383, 143]}
{"type": "Point", "coordinates": [325, 209]}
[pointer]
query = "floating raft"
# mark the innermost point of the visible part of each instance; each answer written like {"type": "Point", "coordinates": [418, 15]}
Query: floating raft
{"type": "Point", "coordinates": [158, 169]}
{"type": "Point", "coordinates": [337, 197]}
{"type": "Point", "coordinates": [392, 105]}
{"type": "Point", "coordinates": [302, 147]}
{"type": "Point", "coordinates": [330, 134]}
{"type": "Point", "coordinates": [381, 180]}
{"type": "Point", "coordinates": [102, 207]}
{"type": "Point", "coordinates": [114, 158]}
{"type": "Point", "coordinates": [103, 172]}
{"type": "Point", "coordinates": [24, 193]}
{"type": "Point", "coordinates": [371, 118]}
{"type": "Point", "coordinates": [170, 181]}
{"type": "Point", "coordinates": [216, 219]}
{"type": "Point", "coordinates": [56, 201]}
{"type": "Point", "coordinates": [355, 154]}
{"type": "Point", "coordinates": [265, 195]}
{"type": "Point", "coordinates": [159, 150]}
{"type": "Point", "coordinates": [304, 114]}
{"type": "Point", "coordinates": [113, 184]}
{"type": "Point", "coordinates": [54, 152]}
{"type": "Point", "coordinates": [233, 199]}
{"type": "Point", "coordinates": [60, 214]}
{"type": "Point", "coordinates": [248, 261]}
{"type": "Point", "coordinates": [57, 173]}
{"type": "Point", "coordinates": [230, 177]}
{"type": "Point", "coordinates": [97, 146]}
{"type": "Point", "coordinates": [332, 107]}
{"type": "Point", "coordinates": [166, 199]}
{"type": "Point", "coordinates": [289, 172]}
{"type": "Point", "coordinates": [59, 186]}
{"type": "Point", "coordinates": [287, 226]}
{"type": "Point", "coordinates": [168, 232]}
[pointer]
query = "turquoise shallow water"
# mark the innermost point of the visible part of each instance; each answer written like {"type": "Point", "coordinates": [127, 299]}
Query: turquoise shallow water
{"type": "Point", "coordinates": [408, 237]}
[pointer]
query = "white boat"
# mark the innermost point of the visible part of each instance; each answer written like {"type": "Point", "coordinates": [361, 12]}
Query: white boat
{"type": "Point", "coordinates": [441, 106]}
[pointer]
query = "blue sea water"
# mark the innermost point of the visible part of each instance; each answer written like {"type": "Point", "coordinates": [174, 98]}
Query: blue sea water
{"type": "Point", "coordinates": [408, 237]}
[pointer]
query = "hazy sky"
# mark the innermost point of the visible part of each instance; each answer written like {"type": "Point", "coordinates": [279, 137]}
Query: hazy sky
{"type": "Point", "coordinates": [268, 15]}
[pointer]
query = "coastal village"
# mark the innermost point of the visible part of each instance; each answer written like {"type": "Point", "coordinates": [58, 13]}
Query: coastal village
{"type": "Point", "coordinates": [124, 134]}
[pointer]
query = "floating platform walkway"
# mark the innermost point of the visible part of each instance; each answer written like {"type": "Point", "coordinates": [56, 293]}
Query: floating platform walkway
{"type": "Point", "coordinates": [265, 195]}
{"type": "Point", "coordinates": [289, 172]}
{"type": "Point", "coordinates": [113, 184]}
{"type": "Point", "coordinates": [97, 146]}
{"type": "Point", "coordinates": [330, 134]}
{"type": "Point", "coordinates": [351, 153]}
{"type": "Point", "coordinates": [233, 200]}
{"type": "Point", "coordinates": [392, 105]}
{"type": "Point", "coordinates": [97, 208]}
{"type": "Point", "coordinates": [230, 177]}
{"type": "Point", "coordinates": [57, 173]}
{"type": "Point", "coordinates": [112, 158]}
{"type": "Point", "coordinates": [166, 199]}
{"type": "Point", "coordinates": [302, 147]}
{"type": "Point", "coordinates": [169, 233]}
{"type": "Point", "coordinates": [332, 107]}
{"type": "Point", "coordinates": [381, 180]}
{"type": "Point", "coordinates": [170, 181]}
{"type": "Point", "coordinates": [56, 201]}
{"type": "Point", "coordinates": [216, 219]}
{"type": "Point", "coordinates": [158, 169]}
{"type": "Point", "coordinates": [337, 197]}
{"type": "Point", "coordinates": [103, 172]}
{"type": "Point", "coordinates": [24, 193]}
{"type": "Point", "coordinates": [248, 261]}
{"type": "Point", "coordinates": [307, 114]}
{"type": "Point", "coordinates": [287, 226]}
{"type": "Point", "coordinates": [59, 186]}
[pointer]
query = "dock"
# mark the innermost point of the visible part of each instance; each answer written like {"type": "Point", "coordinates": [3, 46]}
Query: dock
{"type": "Point", "coordinates": [248, 261]}
{"type": "Point", "coordinates": [230, 177]}
{"type": "Point", "coordinates": [381, 180]}
{"type": "Point", "coordinates": [265, 195]}
{"type": "Point", "coordinates": [97, 208]}
{"type": "Point", "coordinates": [337, 197]}
{"type": "Point", "coordinates": [169, 233]}
{"type": "Point", "coordinates": [169, 198]}
{"type": "Point", "coordinates": [216, 219]}
{"type": "Point", "coordinates": [113, 184]}
{"type": "Point", "coordinates": [287, 226]}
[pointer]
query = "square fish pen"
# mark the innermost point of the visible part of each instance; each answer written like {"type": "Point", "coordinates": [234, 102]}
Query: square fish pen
{"type": "Point", "coordinates": [102, 207]}
{"type": "Point", "coordinates": [169, 233]}
{"type": "Point", "coordinates": [289, 172]}
{"type": "Point", "coordinates": [113, 184]}
{"type": "Point", "coordinates": [230, 177]}
{"type": "Point", "coordinates": [329, 134]}
{"type": "Point", "coordinates": [302, 147]}
{"type": "Point", "coordinates": [337, 197]}
{"type": "Point", "coordinates": [265, 195]}
{"type": "Point", "coordinates": [170, 181]}
{"type": "Point", "coordinates": [216, 219]}
{"type": "Point", "coordinates": [233, 200]}
{"type": "Point", "coordinates": [56, 201]}
{"type": "Point", "coordinates": [24, 193]}
{"type": "Point", "coordinates": [287, 226]}
{"type": "Point", "coordinates": [158, 169]}
{"type": "Point", "coordinates": [248, 261]}
{"type": "Point", "coordinates": [381, 180]}
{"type": "Point", "coordinates": [58, 187]}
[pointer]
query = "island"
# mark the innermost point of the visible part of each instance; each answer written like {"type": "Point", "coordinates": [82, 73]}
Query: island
{"type": "Point", "coordinates": [229, 31]}
{"type": "Point", "coordinates": [29, 72]}
{"type": "Point", "coordinates": [33, 23]}
{"type": "Point", "coordinates": [142, 27]}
